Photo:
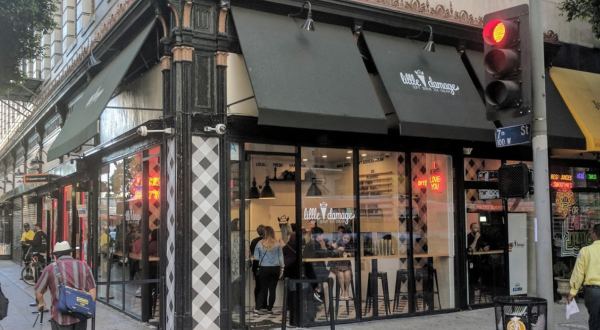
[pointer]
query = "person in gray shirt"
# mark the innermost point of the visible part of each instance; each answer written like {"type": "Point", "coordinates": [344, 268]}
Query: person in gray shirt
{"type": "Point", "coordinates": [269, 254]}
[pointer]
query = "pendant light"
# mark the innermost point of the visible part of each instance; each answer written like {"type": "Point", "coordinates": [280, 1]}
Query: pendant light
{"type": "Point", "coordinates": [254, 193]}
{"type": "Point", "coordinates": [267, 191]}
{"type": "Point", "coordinates": [314, 191]}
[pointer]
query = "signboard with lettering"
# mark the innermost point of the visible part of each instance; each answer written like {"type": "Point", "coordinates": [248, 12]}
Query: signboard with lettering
{"type": "Point", "coordinates": [38, 178]}
{"type": "Point", "coordinates": [513, 135]}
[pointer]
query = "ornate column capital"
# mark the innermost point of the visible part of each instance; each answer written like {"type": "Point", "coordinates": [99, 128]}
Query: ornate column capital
{"type": "Point", "coordinates": [182, 54]}
{"type": "Point", "coordinates": [165, 62]}
{"type": "Point", "coordinates": [221, 58]}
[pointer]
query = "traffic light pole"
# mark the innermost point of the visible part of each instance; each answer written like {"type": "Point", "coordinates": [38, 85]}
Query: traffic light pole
{"type": "Point", "coordinates": [543, 220]}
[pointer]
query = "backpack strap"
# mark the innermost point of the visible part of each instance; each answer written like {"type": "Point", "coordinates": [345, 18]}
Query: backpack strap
{"type": "Point", "coordinates": [57, 273]}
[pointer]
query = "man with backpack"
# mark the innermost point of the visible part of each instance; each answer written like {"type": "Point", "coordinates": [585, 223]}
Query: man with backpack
{"type": "Point", "coordinates": [75, 274]}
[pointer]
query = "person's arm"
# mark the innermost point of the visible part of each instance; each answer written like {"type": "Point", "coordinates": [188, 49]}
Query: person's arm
{"type": "Point", "coordinates": [578, 274]}
{"type": "Point", "coordinates": [281, 261]}
{"type": "Point", "coordinates": [473, 245]}
{"type": "Point", "coordinates": [257, 251]}
{"type": "Point", "coordinates": [93, 294]}
{"type": "Point", "coordinates": [40, 299]}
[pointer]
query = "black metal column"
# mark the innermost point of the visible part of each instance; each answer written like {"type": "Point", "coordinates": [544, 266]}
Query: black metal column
{"type": "Point", "coordinates": [182, 93]}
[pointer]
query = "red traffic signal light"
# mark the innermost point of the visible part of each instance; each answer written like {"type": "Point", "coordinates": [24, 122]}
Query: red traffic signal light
{"type": "Point", "coordinates": [507, 63]}
{"type": "Point", "coordinates": [500, 32]}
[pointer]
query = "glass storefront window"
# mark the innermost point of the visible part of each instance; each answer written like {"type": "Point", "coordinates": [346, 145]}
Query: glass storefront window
{"type": "Point", "coordinates": [432, 212]}
{"type": "Point", "coordinates": [479, 169]}
{"type": "Point", "coordinates": [128, 226]}
{"type": "Point", "coordinates": [329, 242]}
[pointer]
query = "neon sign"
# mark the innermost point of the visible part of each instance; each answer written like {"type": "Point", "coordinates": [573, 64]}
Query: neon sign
{"type": "Point", "coordinates": [422, 183]}
{"type": "Point", "coordinates": [561, 185]}
{"type": "Point", "coordinates": [592, 177]}
{"type": "Point", "coordinates": [435, 178]}
{"type": "Point", "coordinates": [563, 177]}
{"type": "Point", "coordinates": [153, 188]}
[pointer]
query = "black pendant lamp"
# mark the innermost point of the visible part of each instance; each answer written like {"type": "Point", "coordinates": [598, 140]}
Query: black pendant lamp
{"type": "Point", "coordinates": [254, 193]}
{"type": "Point", "coordinates": [267, 191]}
{"type": "Point", "coordinates": [314, 191]}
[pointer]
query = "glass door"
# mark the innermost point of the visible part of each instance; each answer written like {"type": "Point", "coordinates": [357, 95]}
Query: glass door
{"type": "Point", "coordinates": [266, 209]}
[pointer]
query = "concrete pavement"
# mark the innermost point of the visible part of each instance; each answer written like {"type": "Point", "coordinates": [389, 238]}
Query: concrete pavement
{"type": "Point", "coordinates": [20, 315]}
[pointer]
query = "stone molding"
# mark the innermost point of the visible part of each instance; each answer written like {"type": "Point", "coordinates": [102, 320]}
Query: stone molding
{"type": "Point", "coordinates": [182, 54]}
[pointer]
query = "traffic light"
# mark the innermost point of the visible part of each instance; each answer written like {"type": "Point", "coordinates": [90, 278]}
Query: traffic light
{"type": "Point", "coordinates": [514, 180]}
{"type": "Point", "coordinates": [507, 62]}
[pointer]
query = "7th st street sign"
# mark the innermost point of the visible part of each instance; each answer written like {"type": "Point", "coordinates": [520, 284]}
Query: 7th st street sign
{"type": "Point", "coordinates": [513, 135]}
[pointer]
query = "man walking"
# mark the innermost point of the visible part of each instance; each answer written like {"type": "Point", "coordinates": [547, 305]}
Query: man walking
{"type": "Point", "coordinates": [587, 270]}
{"type": "Point", "coordinates": [76, 274]}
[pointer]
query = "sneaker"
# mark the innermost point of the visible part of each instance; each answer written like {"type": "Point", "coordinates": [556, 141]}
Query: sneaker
{"type": "Point", "coordinates": [257, 312]}
{"type": "Point", "coordinates": [317, 296]}
{"type": "Point", "coordinates": [270, 312]}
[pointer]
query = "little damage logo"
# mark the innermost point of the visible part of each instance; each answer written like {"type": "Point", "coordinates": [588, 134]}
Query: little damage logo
{"type": "Point", "coordinates": [418, 81]}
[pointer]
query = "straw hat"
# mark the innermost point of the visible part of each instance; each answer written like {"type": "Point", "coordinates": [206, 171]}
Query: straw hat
{"type": "Point", "coordinates": [62, 247]}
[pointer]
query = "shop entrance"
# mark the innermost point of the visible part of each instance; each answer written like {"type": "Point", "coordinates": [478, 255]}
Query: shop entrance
{"type": "Point", "coordinates": [74, 218]}
{"type": "Point", "coordinates": [269, 207]}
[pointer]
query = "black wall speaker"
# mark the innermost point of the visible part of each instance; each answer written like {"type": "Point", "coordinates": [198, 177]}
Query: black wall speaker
{"type": "Point", "coordinates": [54, 194]}
{"type": "Point", "coordinates": [513, 180]}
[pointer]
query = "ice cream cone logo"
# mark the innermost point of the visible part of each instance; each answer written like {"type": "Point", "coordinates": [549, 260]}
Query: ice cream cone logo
{"type": "Point", "coordinates": [421, 76]}
{"type": "Point", "coordinates": [515, 324]}
{"type": "Point", "coordinates": [323, 209]}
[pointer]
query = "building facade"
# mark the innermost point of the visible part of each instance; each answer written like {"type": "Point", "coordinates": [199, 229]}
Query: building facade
{"type": "Point", "coordinates": [161, 134]}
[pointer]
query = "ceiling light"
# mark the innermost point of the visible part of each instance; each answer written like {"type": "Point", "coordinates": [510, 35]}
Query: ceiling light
{"type": "Point", "coordinates": [267, 192]}
{"type": "Point", "coordinates": [364, 155]}
{"type": "Point", "coordinates": [324, 156]}
{"type": "Point", "coordinates": [304, 160]}
{"type": "Point", "coordinates": [348, 157]}
{"type": "Point", "coordinates": [314, 191]}
{"type": "Point", "coordinates": [254, 193]}
{"type": "Point", "coordinates": [349, 151]}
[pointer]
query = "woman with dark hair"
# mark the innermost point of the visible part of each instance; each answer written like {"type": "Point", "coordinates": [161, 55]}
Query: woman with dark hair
{"type": "Point", "coordinates": [271, 266]}
{"type": "Point", "coordinates": [343, 269]}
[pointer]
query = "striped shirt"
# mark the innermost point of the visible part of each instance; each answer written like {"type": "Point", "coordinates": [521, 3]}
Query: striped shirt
{"type": "Point", "coordinates": [75, 273]}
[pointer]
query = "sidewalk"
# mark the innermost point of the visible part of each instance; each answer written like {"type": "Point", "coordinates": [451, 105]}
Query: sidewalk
{"type": "Point", "coordinates": [480, 319]}
{"type": "Point", "coordinates": [20, 315]}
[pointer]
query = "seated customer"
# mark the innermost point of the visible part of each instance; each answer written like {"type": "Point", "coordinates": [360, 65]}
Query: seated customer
{"type": "Point", "coordinates": [317, 247]}
{"type": "Point", "coordinates": [343, 269]}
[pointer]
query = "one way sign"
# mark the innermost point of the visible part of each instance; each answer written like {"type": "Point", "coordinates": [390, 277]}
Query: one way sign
{"type": "Point", "coordinates": [513, 135]}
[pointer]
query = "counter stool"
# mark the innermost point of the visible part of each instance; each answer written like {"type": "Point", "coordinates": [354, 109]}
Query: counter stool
{"type": "Point", "coordinates": [337, 296]}
{"type": "Point", "coordinates": [401, 277]}
{"type": "Point", "coordinates": [437, 287]}
{"type": "Point", "coordinates": [373, 277]}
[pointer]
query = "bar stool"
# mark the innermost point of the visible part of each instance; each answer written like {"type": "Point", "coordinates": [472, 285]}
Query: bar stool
{"type": "Point", "coordinates": [423, 275]}
{"type": "Point", "coordinates": [401, 278]}
{"type": "Point", "coordinates": [437, 287]}
{"type": "Point", "coordinates": [337, 296]}
{"type": "Point", "coordinates": [373, 277]}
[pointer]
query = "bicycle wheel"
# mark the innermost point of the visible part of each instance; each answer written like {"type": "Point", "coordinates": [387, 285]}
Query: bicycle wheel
{"type": "Point", "coordinates": [28, 275]}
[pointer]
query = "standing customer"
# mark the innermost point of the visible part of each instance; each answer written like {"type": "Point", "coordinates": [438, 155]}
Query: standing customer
{"type": "Point", "coordinates": [260, 230]}
{"type": "Point", "coordinates": [38, 243]}
{"type": "Point", "coordinates": [270, 267]}
{"type": "Point", "coordinates": [76, 274]}
{"type": "Point", "coordinates": [27, 235]}
{"type": "Point", "coordinates": [587, 270]}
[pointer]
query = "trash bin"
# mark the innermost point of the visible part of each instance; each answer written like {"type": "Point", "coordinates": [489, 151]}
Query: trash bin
{"type": "Point", "coordinates": [520, 313]}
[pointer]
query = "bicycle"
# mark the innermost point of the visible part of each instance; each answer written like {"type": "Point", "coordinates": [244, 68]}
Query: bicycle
{"type": "Point", "coordinates": [33, 268]}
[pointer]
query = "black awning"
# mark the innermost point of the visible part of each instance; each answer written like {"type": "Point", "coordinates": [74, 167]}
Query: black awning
{"type": "Point", "coordinates": [432, 92]}
{"type": "Point", "coordinates": [307, 79]}
{"type": "Point", "coordinates": [82, 123]}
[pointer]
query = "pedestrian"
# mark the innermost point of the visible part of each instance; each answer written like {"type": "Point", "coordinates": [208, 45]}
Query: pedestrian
{"type": "Point", "coordinates": [587, 271]}
{"type": "Point", "coordinates": [27, 235]}
{"type": "Point", "coordinates": [75, 274]}
{"type": "Point", "coordinates": [38, 243]}
{"type": "Point", "coordinates": [260, 231]}
{"type": "Point", "coordinates": [270, 268]}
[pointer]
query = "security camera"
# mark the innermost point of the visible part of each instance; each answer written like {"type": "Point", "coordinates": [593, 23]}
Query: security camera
{"type": "Point", "coordinates": [143, 130]}
{"type": "Point", "coordinates": [219, 129]}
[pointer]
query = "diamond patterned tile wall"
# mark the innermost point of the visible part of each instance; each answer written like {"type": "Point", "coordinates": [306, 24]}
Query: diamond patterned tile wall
{"type": "Point", "coordinates": [472, 167]}
{"type": "Point", "coordinates": [205, 232]}
{"type": "Point", "coordinates": [170, 271]}
{"type": "Point", "coordinates": [401, 205]}
{"type": "Point", "coordinates": [419, 204]}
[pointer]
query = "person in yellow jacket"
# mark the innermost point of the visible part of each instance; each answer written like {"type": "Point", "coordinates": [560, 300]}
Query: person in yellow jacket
{"type": "Point", "coordinates": [28, 234]}
{"type": "Point", "coordinates": [587, 271]}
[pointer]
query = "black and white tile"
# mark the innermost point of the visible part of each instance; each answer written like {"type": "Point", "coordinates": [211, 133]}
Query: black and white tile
{"type": "Point", "coordinates": [171, 207]}
{"type": "Point", "coordinates": [205, 232]}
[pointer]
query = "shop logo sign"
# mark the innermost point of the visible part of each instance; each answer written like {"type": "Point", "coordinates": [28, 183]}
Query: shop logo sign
{"type": "Point", "coordinates": [418, 81]}
{"type": "Point", "coordinates": [95, 96]}
{"type": "Point", "coordinates": [312, 213]}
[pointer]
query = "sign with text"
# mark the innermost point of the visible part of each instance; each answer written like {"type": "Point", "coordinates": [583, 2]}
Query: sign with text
{"type": "Point", "coordinates": [517, 253]}
{"type": "Point", "coordinates": [513, 135]}
{"type": "Point", "coordinates": [38, 178]}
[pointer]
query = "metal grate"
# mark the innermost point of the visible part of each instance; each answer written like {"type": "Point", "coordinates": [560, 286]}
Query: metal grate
{"type": "Point", "coordinates": [513, 180]}
{"type": "Point", "coordinates": [520, 313]}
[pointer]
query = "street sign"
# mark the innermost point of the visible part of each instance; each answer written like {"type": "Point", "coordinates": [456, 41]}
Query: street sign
{"type": "Point", "coordinates": [513, 135]}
